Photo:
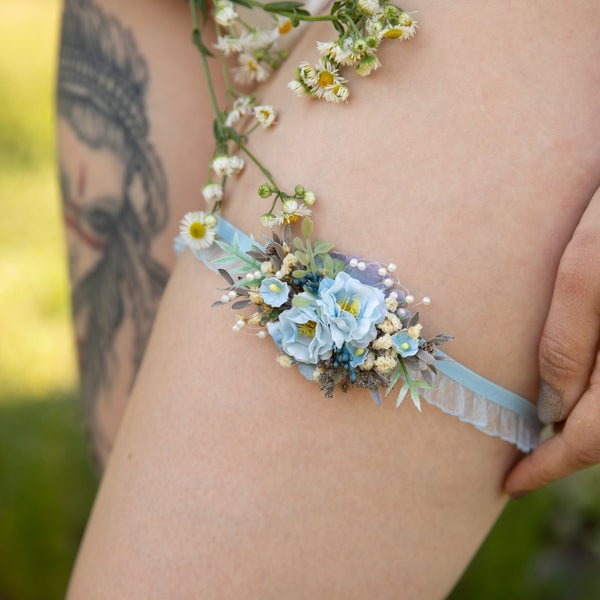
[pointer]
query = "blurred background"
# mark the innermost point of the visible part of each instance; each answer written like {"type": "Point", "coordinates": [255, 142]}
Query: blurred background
{"type": "Point", "coordinates": [546, 546]}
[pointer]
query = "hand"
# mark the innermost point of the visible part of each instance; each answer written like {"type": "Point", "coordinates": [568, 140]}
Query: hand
{"type": "Point", "coordinates": [569, 365]}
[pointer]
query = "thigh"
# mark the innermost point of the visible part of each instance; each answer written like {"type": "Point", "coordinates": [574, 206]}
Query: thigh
{"type": "Point", "coordinates": [455, 162]}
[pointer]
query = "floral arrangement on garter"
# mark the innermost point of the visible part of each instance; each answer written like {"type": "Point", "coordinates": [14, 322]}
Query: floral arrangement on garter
{"type": "Point", "coordinates": [341, 320]}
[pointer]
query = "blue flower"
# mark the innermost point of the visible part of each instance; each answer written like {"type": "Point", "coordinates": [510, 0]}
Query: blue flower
{"type": "Point", "coordinates": [301, 333]}
{"type": "Point", "coordinates": [274, 292]}
{"type": "Point", "coordinates": [404, 344]}
{"type": "Point", "coordinates": [351, 309]}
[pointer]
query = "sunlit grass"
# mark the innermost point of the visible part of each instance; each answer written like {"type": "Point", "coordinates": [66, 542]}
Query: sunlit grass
{"type": "Point", "coordinates": [36, 353]}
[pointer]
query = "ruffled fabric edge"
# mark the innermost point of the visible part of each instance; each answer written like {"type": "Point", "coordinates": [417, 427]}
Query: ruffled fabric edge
{"type": "Point", "coordinates": [486, 415]}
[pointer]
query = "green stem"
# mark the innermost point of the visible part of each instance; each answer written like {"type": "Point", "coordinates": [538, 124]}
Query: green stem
{"type": "Point", "coordinates": [209, 83]}
{"type": "Point", "coordinates": [255, 160]}
{"type": "Point", "coordinates": [289, 13]}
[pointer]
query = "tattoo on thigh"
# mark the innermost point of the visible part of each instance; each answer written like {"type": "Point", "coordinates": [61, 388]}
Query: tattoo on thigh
{"type": "Point", "coordinates": [114, 194]}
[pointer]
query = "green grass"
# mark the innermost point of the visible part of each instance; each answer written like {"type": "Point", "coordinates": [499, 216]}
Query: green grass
{"type": "Point", "coordinates": [47, 488]}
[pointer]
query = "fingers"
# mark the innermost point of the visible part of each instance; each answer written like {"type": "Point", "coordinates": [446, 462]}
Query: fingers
{"type": "Point", "coordinates": [572, 331]}
{"type": "Point", "coordinates": [577, 446]}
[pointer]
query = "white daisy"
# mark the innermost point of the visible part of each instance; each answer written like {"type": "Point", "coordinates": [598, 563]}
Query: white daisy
{"type": "Point", "coordinates": [284, 25]}
{"type": "Point", "coordinates": [369, 7]}
{"type": "Point", "coordinates": [242, 106]}
{"type": "Point", "coordinates": [227, 165]}
{"type": "Point", "coordinates": [308, 74]}
{"type": "Point", "coordinates": [298, 88]}
{"type": "Point", "coordinates": [368, 63]}
{"type": "Point", "coordinates": [265, 115]}
{"type": "Point", "coordinates": [336, 93]}
{"type": "Point", "coordinates": [229, 45]}
{"type": "Point", "coordinates": [290, 213]}
{"type": "Point", "coordinates": [374, 25]}
{"type": "Point", "coordinates": [197, 230]}
{"type": "Point", "coordinates": [225, 14]}
{"type": "Point", "coordinates": [212, 192]}
{"type": "Point", "coordinates": [259, 38]}
{"type": "Point", "coordinates": [251, 69]}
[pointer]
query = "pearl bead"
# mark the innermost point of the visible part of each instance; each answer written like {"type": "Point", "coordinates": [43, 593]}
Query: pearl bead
{"type": "Point", "coordinates": [261, 334]}
{"type": "Point", "coordinates": [249, 276]}
{"type": "Point", "coordinates": [240, 324]}
{"type": "Point", "coordinates": [381, 272]}
{"type": "Point", "coordinates": [393, 295]}
{"type": "Point", "coordinates": [426, 300]}
{"type": "Point", "coordinates": [401, 312]}
{"type": "Point", "coordinates": [278, 274]}
{"type": "Point", "coordinates": [361, 266]}
{"type": "Point", "coordinates": [232, 294]}
{"type": "Point", "coordinates": [409, 299]}
{"type": "Point", "coordinates": [225, 298]}
{"type": "Point", "coordinates": [388, 281]}
{"type": "Point", "coordinates": [391, 267]}
{"type": "Point", "coordinates": [235, 328]}
{"type": "Point", "coordinates": [257, 274]}
{"type": "Point", "coordinates": [353, 262]}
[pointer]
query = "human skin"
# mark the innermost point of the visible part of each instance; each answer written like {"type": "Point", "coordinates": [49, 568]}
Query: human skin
{"type": "Point", "coordinates": [234, 478]}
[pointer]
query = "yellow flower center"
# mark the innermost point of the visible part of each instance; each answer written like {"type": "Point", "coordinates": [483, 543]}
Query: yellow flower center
{"type": "Point", "coordinates": [275, 288]}
{"type": "Point", "coordinates": [197, 230]}
{"type": "Point", "coordinates": [405, 346]}
{"type": "Point", "coordinates": [287, 26]}
{"type": "Point", "coordinates": [392, 34]}
{"type": "Point", "coordinates": [351, 306]}
{"type": "Point", "coordinates": [290, 218]}
{"type": "Point", "coordinates": [325, 78]}
{"type": "Point", "coordinates": [359, 352]}
{"type": "Point", "coordinates": [265, 113]}
{"type": "Point", "coordinates": [252, 65]}
{"type": "Point", "coordinates": [307, 329]}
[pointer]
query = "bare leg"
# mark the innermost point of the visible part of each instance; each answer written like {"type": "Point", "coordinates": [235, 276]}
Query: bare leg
{"type": "Point", "coordinates": [234, 478]}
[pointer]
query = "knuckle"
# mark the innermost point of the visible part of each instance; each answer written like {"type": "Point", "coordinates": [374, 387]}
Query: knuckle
{"type": "Point", "coordinates": [584, 454]}
{"type": "Point", "coordinates": [582, 443]}
{"type": "Point", "coordinates": [555, 362]}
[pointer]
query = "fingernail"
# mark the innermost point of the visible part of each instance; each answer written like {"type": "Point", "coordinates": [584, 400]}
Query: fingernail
{"type": "Point", "coordinates": [521, 494]}
{"type": "Point", "coordinates": [550, 405]}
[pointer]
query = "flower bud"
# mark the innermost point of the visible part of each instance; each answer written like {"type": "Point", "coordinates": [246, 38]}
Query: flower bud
{"type": "Point", "coordinates": [309, 198]}
{"type": "Point", "coordinates": [299, 190]}
{"type": "Point", "coordinates": [264, 191]}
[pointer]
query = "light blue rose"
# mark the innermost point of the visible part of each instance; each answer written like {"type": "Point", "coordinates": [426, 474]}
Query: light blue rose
{"type": "Point", "coordinates": [274, 292]}
{"type": "Point", "coordinates": [404, 344]}
{"type": "Point", "coordinates": [301, 333]}
{"type": "Point", "coordinates": [351, 309]}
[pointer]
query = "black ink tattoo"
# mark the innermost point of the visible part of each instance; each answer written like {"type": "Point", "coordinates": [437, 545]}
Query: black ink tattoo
{"type": "Point", "coordinates": [102, 83]}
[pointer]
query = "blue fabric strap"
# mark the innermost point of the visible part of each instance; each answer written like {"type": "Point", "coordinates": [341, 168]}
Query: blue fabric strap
{"type": "Point", "coordinates": [485, 387]}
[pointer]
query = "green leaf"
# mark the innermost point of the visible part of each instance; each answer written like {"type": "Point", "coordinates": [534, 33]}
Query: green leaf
{"type": "Point", "coordinates": [328, 265]}
{"type": "Point", "coordinates": [242, 3]}
{"type": "Point", "coordinates": [299, 273]}
{"type": "Point", "coordinates": [197, 40]}
{"type": "Point", "coordinates": [307, 227]}
{"type": "Point", "coordinates": [393, 379]}
{"type": "Point", "coordinates": [302, 258]}
{"type": "Point", "coordinates": [226, 276]}
{"type": "Point", "coordinates": [302, 301]}
{"type": "Point", "coordinates": [322, 247]}
{"type": "Point", "coordinates": [298, 243]}
{"type": "Point", "coordinates": [338, 266]}
{"type": "Point", "coordinates": [413, 320]}
{"type": "Point", "coordinates": [241, 304]}
{"type": "Point", "coordinates": [282, 6]}
{"type": "Point", "coordinates": [401, 395]}
{"type": "Point", "coordinates": [415, 398]}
